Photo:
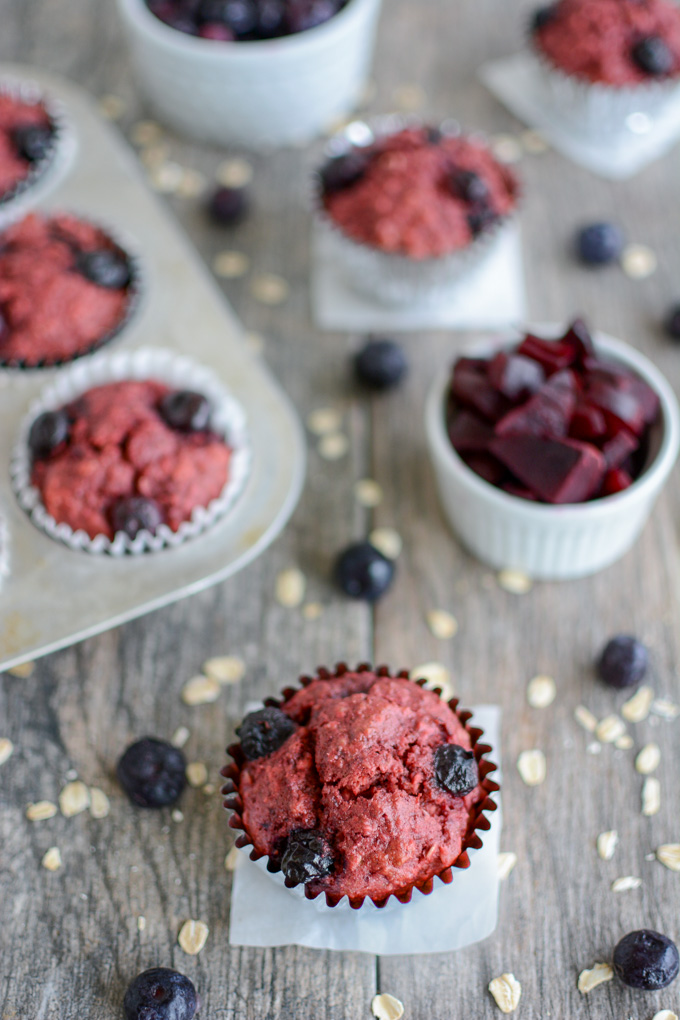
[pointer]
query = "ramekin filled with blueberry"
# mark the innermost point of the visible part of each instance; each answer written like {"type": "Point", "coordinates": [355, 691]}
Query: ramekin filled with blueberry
{"type": "Point", "coordinates": [405, 209]}
{"type": "Point", "coordinates": [358, 786]}
{"type": "Point", "coordinates": [551, 448]}
{"type": "Point", "coordinates": [131, 453]}
{"type": "Point", "coordinates": [258, 73]}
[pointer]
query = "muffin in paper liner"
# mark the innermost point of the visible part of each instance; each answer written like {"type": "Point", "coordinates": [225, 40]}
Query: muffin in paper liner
{"type": "Point", "coordinates": [135, 294]}
{"type": "Point", "coordinates": [389, 278]}
{"type": "Point", "coordinates": [228, 421]}
{"type": "Point", "coordinates": [478, 822]}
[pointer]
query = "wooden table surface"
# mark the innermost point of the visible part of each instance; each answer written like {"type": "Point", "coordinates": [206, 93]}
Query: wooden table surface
{"type": "Point", "coordinates": [69, 941]}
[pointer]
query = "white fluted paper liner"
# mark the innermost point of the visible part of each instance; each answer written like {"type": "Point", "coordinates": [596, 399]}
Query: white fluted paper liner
{"type": "Point", "coordinates": [450, 917]}
{"type": "Point", "coordinates": [4, 550]}
{"type": "Point", "coordinates": [227, 420]}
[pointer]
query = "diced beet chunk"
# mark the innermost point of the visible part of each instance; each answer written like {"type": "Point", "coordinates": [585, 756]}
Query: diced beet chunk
{"type": "Point", "coordinates": [579, 339]}
{"type": "Point", "coordinates": [557, 470]}
{"type": "Point", "coordinates": [587, 422]}
{"type": "Point", "coordinates": [553, 355]}
{"type": "Point", "coordinates": [547, 413]}
{"type": "Point", "coordinates": [617, 449]}
{"type": "Point", "coordinates": [647, 398]}
{"type": "Point", "coordinates": [615, 481]}
{"type": "Point", "coordinates": [515, 376]}
{"type": "Point", "coordinates": [622, 408]}
{"type": "Point", "coordinates": [486, 466]}
{"type": "Point", "coordinates": [516, 489]}
{"type": "Point", "coordinates": [471, 387]}
{"type": "Point", "coordinates": [468, 432]}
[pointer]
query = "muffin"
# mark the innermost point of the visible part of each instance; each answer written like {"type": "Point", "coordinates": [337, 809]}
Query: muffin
{"type": "Point", "coordinates": [28, 139]}
{"type": "Point", "coordinates": [360, 784]}
{"type": "Point", "coordinates": [412, 208]}
{"type": "Point", "coordinates": [609, 65]}
{"type": "Point", "coordinates": [66, 288]}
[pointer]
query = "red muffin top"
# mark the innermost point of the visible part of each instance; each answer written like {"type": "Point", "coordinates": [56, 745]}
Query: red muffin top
{"type": "Point", "coordinates": [64, 288]}
{"type": "Point", "coordinates": [126, 456]}
{"type": "Point", "coordinates": [352, 797]}
{"type": "Point", "coordinates": [614, 42]}
{"type": "Point", "coordinates": [417, 192]}
{"type": "Point", "coordinates": [26, 138]}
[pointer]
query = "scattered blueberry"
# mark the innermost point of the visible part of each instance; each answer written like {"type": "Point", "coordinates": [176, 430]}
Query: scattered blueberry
{"type": "Point", "coordinates": [48, 431]}
{"type": "Point", "coordinates": [456, 769]}
{"type": "Point", "coordinates": [342, 171]}
{"type": "Point", "coordinates": [186, 410]}
{"type": "Point", "coordinates": [380, 364]}
{"type": "Point", "coordinates": [152, 772]}
{"type": "Point", "coordinates": [672, 323]}
{"type": "Point", "coordinates": [229, 206]}
{"type": "Point", "coordinates": [33, 142]}
{"type": "Point", "coordinates": [263, 732]}
{"type": "Point", "coordinates": [135, 514]}
{"type": "Point", "coordinates": [362, 572]}
{"type": "Point", "coordinates": [623, 662]}
{"type": "Point", "coordinates": [653, 56]}
{"type": "Point", "coordinates": [307, 856]}
{"type": "Point", "coordinates": [646, 959]}
{"type": "Point", "coordinates": [469, 186]}
{"type": "Point", "coordinates": [105, 267]}
{"type": "Point", "coordinates": [160, 994]}
{"type": "Point", "coordinates": [599, 243]}
{"type": "Point", "coordinates": [541, 17]}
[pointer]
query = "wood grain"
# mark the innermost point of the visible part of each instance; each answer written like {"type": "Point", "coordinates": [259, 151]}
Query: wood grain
{"type": "Point", "coordinates": [69, 941]}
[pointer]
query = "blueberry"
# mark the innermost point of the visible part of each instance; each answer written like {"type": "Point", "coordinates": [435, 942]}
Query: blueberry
{"type": "Point", "coordinates": [33, 142]}
{"type": "Point", "coordinates": [160, 994]}
{"type": "Point", "coordinates": [263, 732]}
{"type": "Point", "coordinates": [228, 206]}
{"type": "Point", "coordinates": [623, 662]}
{"type": "Point", "coordinates": [456, 769]}
{"type": "Point", "coordinates": [135, 514]}
{"type": "Point", "coordinates": [306, 14]}
{"type": "Point", "coordinates": [646, 959]}
{"type": "Point", "coordinates": [343, 171]}
{"type": "Point", "coordinates": [186, 411]}
{"type": "Point", "coordinates": [599, 243]}
{"type": "Point", "coordinates": [469, 186]}
{"type": "Point", "coordinates": [672, 323]}
{"type": "Point", "coordinates": [652, 55]}
{"type": "Point", "coordinates": [212, 11]}
{"type": "Point", "coordinates": [541, 17]}
{"type": "Point", "coordinates": [433, 136]}
{"type": "Point", "coordinates": [105, 267]}
{"type": "Point", "coordinates": [362, 572]}
{"type": "Point", "coordinates": [380, 364]}
{"type": "Point", "coordinates": [215, 31]}
{"type": "Point", "coordinates": [48, 431]}
{"type": "Point", "coordinates": [240, 16]}
{"type": "Point", "coordinates": [481, 218]}
{"type": "Point", "coordinates": [270, 18]}
{"type": "Point", "coordinates": [307, 856]}
{"type": "Point", "coordinates": [152, 773]}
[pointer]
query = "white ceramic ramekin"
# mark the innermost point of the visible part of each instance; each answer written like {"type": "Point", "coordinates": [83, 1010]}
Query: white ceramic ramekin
{"type": "Point", "coordinates": [549, 542]}
{"type": "Point", "coordinates": [257, 94]}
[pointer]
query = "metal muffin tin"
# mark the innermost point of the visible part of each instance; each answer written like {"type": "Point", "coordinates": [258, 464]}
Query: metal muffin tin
{"type": "Point", "coordinates": [54, 596]}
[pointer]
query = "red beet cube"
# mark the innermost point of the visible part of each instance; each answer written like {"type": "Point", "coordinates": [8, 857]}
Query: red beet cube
{"type": "Point", "coordinates": [579, 339]}
{"type": "Point", "coordinates": [557, 470]}
{"type": "Point", "coordinates": [515, 376]}
{"type": "Point", "coordinates": [587, 422]}
{"type": "Point", "coordinates": [471, 387]}
{"type": "Point", "coordinates": [468, 432]}
{"type": "Point", "coordinates": [553, 355]}
{"type": "Point", "coordinates": [615, 481]}
{"type": "Point", "coordinates": [621, 407]}
{"type": "Point", "coordinates": [515, 489]}
{"type": "Point", "coordinates": [486, 466]}
{"type": "Point", "coordinates": [547, 413]}
{"type": "Point", "coordinates": [619, 448]}
{"type": "Point", "coordinates": [647, 398]}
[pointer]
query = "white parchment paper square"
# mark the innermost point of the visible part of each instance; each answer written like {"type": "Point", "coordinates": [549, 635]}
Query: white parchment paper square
{"type": "Point", "coordinates": [264, 913]}
{"type": "Point", "coordinates": [515, 81]}
{"type": "Point", "coordinates": [491, 295]}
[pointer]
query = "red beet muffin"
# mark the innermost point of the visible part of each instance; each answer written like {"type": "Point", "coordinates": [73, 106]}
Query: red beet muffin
{"type": "Point", "coordinates": [28, 136]}
{"type": "Point", "coordinates": [360, 784]}
{"type": "Point", "coordinates": [65, 289]}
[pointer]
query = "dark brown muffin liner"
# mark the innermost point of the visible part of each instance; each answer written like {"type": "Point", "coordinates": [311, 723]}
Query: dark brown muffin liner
{"type": "Point", "coordinates": [478, 822]}
{"type": "Point", "coordinates": [135, 294]}
{"type": "Point", "coordinates": [30, 93]}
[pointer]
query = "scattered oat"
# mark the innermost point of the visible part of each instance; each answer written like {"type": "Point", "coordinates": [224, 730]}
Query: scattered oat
{"type": "Point", "coordinates": [541, 691]}
{"type": "Point", "coordinates": [386, 1007]}
{"type": "Point", "coordinates": [180, 736]}
{"type": "Point", "coordinates": [532, 767]}
{"type": "Point", "coordinates": [610, 729]}
{"type": "Point", "coordinates": [506, 149]}
{"type": "Point", "coordinates": [647, 760]}
{"type": "Point", "coordinates": [6, 749]}
{"type": "Point", "coordinates": [200, 690]}
{"type": "Point", "coordinates": [651, 796]}
{"type": "Point", "coordinates": [514, 581]}
{"type": "Point", "coordinates": [624, 743]}
{"type": "Point", "coordinates": [585, 718]}
{"type": "Point", "coordinates": [111, 107]}
{"type": "Point", "coordinates": [166, 178]}
{"type": "Point", "coordinates": [290, 588]}
{"type": "Point", "coordinates": [52, 859]}
{"type": "Point", "coordinates": [312, 610]}
{"type": "Point", "coordinates": [41, 811]}
{"type": "Point", "coordinates": [231, 264]}
{"type": "Point", "coordinates": [534, 143]}
{"type": "Point", "coordinates": [637, 708]}
{"type": "Point", "coordinates": [192, 185]}
{"type": "Point", "coordinates": [505, 863]}
{"type": "Point", "coordinates": [177, 816]}
{"type": "Point", "coordinates": [607, 843]}
{"type": "Point", "coordinates": [665, 1014]}
{"type": "Point", "coordinates": [226, 669]}
{"type": "Point", "coordinates": [23, 670]}
{"type": "Point", "coordinates": [255, 342]}
{"type": "Point", "coordinates": [409, 97]}
{"type": "Point", "coordinates": [506, 990]}
{"type": "Point", "coordinates": [368, 493]}
{"type": "Point", "coordinates": [665, 709]}
{"type": "Point", "coordinates": [73, 799]}
{"type": "Point", "coordinates": [196, 773]}
{"type": "Point", "coordinates": [146, 132]}
{"type": "Point", "coordinates": [232, 859]}
{"type": "Point", "coordinates": [387, 541]}
{"type": "Point", "coordinates": [333, 446]}
{"type": "Point", "coordinates": [99, 803]}
{"type": "Point", "coordinates": [669, 855]}
{"type": "Point", "coordinates": [154, 156]}
{"type": "Point", "coordinates": [192, 937]}
{"type": "Point", "coordinates": [436, 675]}
{"type": "Point", "coordinates": [209, 789]}
{"type": "Point", "coordinates": [589, 979]}
{"type": "Point", "coordinates": [638, 261]}
{"type": "Point", "coordinates": [626, 883]}
{"type": "Point", "coordinates": [269, 289]}
{"type": "Point", "coordinates": [442, 625]}
{"type": "Point", "coordinates": [141, 923]}
{"type": "Point", "coordinates": [323, 420]}
{"type": "Point", "coordinates": [594, 748]}
{"type": "Point", "coordinates": [234, 173]}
